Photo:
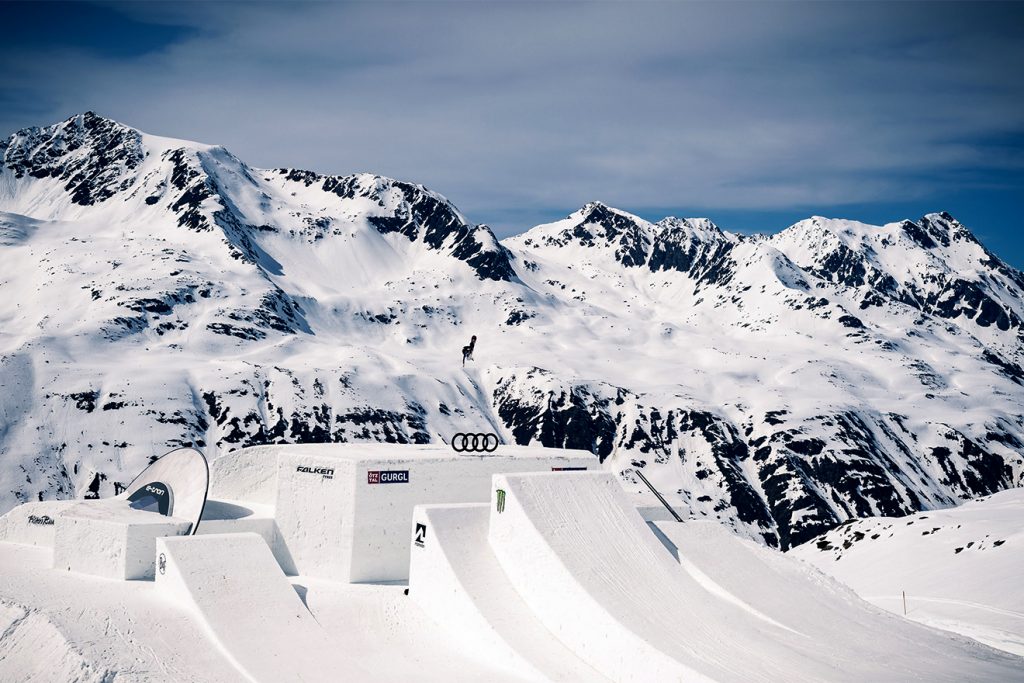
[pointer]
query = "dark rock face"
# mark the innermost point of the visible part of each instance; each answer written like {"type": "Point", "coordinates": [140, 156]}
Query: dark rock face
{"type": "Point", "coordinates": [420, 216]}
{"type": "Point", "coordinates": [572, 418]}
{"type": "Point", "coordinates": [94, 156]}
{"type": "Point", "coordinates": [708, 262]}
{"type": "Point", "coordinates": [810, 477]}
{"type": "Point", "coordinates": [702, 252]}
{"type": "Point", "coordinates": [192, 187]}
{"type": "Point", "coordinates": [284, 410]}
{"type": "Point", "coordinates": [600, 225]}
{"type": "Point", "coordinates": [959, 297]}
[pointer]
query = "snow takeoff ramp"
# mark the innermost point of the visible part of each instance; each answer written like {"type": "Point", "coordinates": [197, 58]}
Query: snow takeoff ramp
{"type": "Point", "coordinates": [584, 561]}
{"type": "Point", "coordinates": [251, 610]}
{"type": "Point", "coordinates": [454, 576]}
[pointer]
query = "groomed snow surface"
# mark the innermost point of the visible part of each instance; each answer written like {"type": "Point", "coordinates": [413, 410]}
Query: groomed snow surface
{"type": "Point", "coordinates": [960, 568]}
{"type": "Point", "coordinates": [522, 576]}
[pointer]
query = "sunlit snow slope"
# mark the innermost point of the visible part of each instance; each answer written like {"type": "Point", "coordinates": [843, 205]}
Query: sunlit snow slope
{"type": "Point", "coordinates": [157, 292]}
{"type": "Point", "coordinates": [960, 568]}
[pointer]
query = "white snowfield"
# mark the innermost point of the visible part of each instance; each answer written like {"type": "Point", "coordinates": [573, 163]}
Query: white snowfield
{"type": "Point", "coordinates": [556, 578]}
{"type": "Point", "coordinates": [798, 596]}
{"type": "Point", "coordinates": [961, 568]}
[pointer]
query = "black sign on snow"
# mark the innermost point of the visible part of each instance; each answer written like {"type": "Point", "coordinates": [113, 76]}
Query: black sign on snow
{"type": "Point", "coordinates": [387, 477]}
{"type": "Point", "coordinates": [154, 497]}
{"type": "Point", "coordinates": [420, 537]}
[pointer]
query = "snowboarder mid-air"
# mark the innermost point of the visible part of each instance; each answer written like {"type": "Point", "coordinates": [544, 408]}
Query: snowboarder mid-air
{"type": "Point", "coordinates": [467, 351]}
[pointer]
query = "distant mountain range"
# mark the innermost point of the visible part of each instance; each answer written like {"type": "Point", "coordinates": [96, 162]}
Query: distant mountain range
{"type": "Point", "coordinates": [157, 292]}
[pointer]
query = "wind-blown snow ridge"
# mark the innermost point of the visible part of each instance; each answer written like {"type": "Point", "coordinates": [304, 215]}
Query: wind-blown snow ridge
{"type": "Point", "coordinates": [159, 292]}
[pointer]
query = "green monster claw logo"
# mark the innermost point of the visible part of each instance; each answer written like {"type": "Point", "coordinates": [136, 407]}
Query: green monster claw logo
{"type": "Point", "coordinates": [501, 500]}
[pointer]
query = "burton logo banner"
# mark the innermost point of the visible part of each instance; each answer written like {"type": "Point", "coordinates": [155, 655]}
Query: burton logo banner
{"type": "Point", "coordinates": [420, 537]}
{"type": "Point", "coordinates": [501, 500]}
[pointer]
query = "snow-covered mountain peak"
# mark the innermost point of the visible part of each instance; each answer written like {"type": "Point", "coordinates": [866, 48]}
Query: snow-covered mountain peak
{"type": "Point", "coordinates": [947, 240]}
{"type": "Point", "coordinates": [939, 229]}
{"type": "Point", "coordinates": [592, 231]}
{"type": "Point", "coordinates": [785, 382]}
{"type": "Point", "coordinates": [87, 157]}
{"type": "Point", "coordinates": [935, 265]}
{"type": "Point", "coordinates": [72, 168]}
{"type": "Point", "coordinates": [702, 229]}
{"type": "Point", "coordinates": [395, 208]}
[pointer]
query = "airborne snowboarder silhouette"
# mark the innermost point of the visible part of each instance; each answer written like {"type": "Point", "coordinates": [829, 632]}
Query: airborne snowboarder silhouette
{"type": "Point", "coordinates": [467, 351]}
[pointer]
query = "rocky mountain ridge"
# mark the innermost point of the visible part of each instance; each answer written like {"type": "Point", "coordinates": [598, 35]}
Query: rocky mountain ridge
{"type": "Point", "coordinates": [161, 292]}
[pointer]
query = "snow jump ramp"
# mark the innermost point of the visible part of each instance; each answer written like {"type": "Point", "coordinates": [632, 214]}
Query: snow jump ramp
{"type": "Point", "coordinates": [243, 598]}
{"type": "Point", "coordinates": [454, 576]}
{"type": "Point", "coordinates": [343, 510]}
{"type": "Point", "coordinates": [587, 566]}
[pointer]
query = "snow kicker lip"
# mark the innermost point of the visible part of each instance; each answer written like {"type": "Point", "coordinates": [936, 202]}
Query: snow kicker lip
{"type": "Point", "coordinates": [475, 443]}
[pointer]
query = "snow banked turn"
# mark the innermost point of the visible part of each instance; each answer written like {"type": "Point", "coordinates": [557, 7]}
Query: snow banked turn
{"type": "Point", "coordinates": [159, 293]}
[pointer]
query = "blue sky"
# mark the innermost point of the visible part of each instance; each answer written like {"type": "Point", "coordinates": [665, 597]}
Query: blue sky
{"type": "Point", "coordinates": [753, 114]}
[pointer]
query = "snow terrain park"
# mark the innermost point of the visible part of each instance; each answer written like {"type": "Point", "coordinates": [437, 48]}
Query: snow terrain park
{"type": "Point", "coordinates": [275, 426]}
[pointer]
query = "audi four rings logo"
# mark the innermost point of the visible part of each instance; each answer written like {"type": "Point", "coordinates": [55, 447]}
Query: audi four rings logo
{"type": "Point", "coordinates": [474, 443]}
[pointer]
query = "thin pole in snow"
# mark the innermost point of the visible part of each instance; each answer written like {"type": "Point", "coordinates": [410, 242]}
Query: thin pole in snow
{"type": "Point", "coordinates": [655, 492]}
{"type": "Point", "coordinates": [904, 603]}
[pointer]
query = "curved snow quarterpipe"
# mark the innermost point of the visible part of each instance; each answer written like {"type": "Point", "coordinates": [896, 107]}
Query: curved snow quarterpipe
{"type": "Point", "coordinates": [175, 484]}
{"type": "Point", "coordinates": [592, 572]}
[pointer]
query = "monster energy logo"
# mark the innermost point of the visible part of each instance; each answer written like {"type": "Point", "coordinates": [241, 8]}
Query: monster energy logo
{"type": "Point", "coordinates": [501, 500]}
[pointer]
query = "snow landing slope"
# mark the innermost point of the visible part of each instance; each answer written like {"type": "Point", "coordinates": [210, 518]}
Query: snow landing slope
{"type": "Point", "coordinates": [158, 292]}
{"type": "Point", "coordinates": [960, 568]}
